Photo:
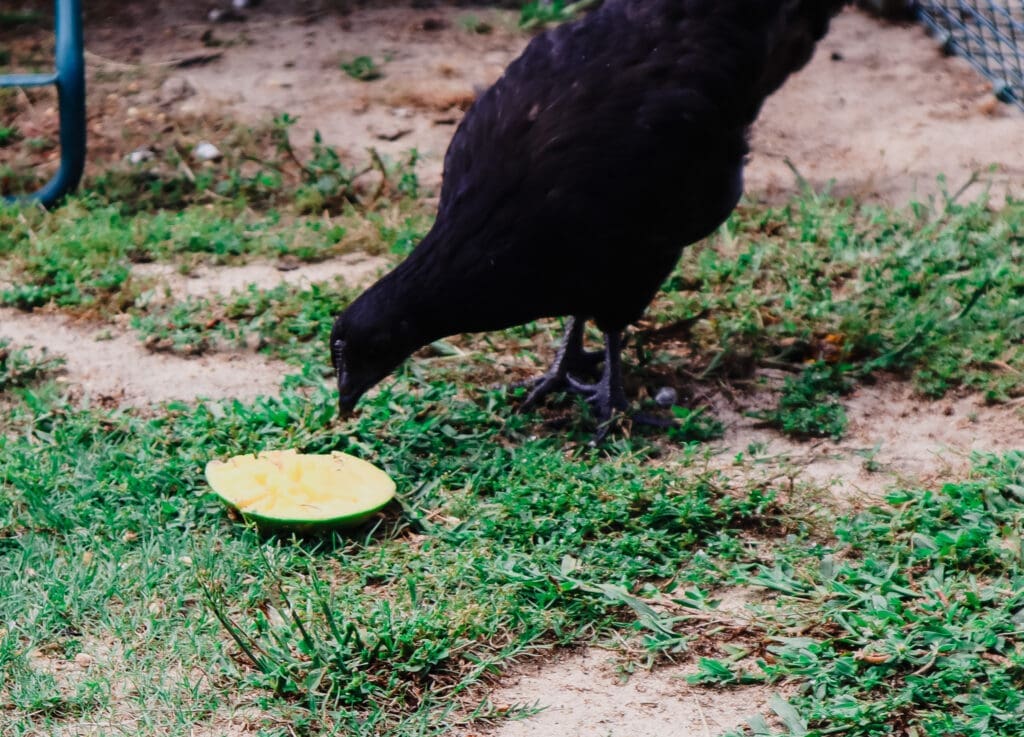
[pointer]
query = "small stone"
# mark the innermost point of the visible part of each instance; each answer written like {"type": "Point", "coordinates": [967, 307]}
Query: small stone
{"type": "Point", "coordinates": [143, 153]}
{"type": "Point", "coordinates": [185, 560]}
{"type": "Point", "coordinates": [175, 89]}
{"type": "Point", "coordinates": [666, 396]}
{"type": "Point", "coordinates": [83, 660]}
{"type": "Point", "coordinates": [218, 15]}
{"type": "Point", "coordinates": [288, 262]}
{"type": "Point", "coordinates": [389, 132]}
{"type": "Point", "coordinates": [129, 537]}
{"type": "Point", "coordinates": [87, 557]}
{"type": "Point", "coordinates": [206, 151]}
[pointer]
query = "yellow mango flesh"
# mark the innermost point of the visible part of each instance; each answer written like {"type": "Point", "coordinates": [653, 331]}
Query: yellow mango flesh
{"type": "Point", "coordinates": [291, 488]}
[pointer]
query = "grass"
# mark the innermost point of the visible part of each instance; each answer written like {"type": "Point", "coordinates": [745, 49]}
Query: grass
{"type": "Point", "coordinates": [537, 14]}
{"type": "Point", "coordinates": [909, 623]}
{"type": "Point", "coordinates": [358, 635]}
{"type": "Point", "coordinates": [932, 293]}
{"type": "Point", "coordinates": [82, 259]}
{"type": "Point", "coordinates": [808, 405]}
{"type": "Point", "coordinates": [129, 598]}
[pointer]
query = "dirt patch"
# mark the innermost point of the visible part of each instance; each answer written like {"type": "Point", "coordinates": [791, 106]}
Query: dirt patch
{"type": "Point", "coordinates": [894, 437]}
{"type": "Point", "coordinates": [583, 695]}
{"type": "Point", "coordinates": [205, 281]}
{"type": "Point", "coordinates": [882, 112]}
{"type": "Point", "coordinates": [431, 64]}
{"type": "Point", "coordinates": [879, 110]}
{"type": "Point", "coordinates": [112, 367]}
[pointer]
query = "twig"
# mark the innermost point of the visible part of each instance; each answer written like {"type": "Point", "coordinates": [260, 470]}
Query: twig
{"type": "Point", "coordinates": [199, 57]}
{"type": "Point", "coordinates": [703, 719]}
{"type": "Point", "coordinates": [801, 180]}
{"type": "Point", "coordinates": [973, 179]}
{"type": "Point", "coordinates": [379, 163]}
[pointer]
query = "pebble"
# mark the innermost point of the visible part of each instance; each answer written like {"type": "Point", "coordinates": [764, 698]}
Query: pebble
{"type": "Point", "coordinates": [206, 151]}
{"type": "Point", "coordinates": [666, 396]}
{"type": "Point", "coordinates": [174, 89]}
{"type": "Point", "coordinates": [144, 153]}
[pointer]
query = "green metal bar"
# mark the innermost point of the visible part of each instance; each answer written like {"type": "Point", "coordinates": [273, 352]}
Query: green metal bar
{"type": "Point", "coordinates": [70, 82]}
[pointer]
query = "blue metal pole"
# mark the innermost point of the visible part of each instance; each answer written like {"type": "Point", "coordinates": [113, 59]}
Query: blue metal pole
{"type": "Point", "coordinates": [70, 81]}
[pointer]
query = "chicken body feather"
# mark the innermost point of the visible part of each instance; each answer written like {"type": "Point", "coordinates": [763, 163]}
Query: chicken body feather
{"type": "Point", "coordinates": [575, 181]}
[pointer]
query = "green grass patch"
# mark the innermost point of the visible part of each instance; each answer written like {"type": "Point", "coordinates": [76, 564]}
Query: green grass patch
{"type": "Point", "coordinates": [287, 321]}
{"type": "Point", "coordinates": [808, 406]}
{"type": "Point", "coordinates": [501, 543]}
{"type": "Point", "coordinates": [80, 256]}
{"type": "Point", "coordinates": [363, 68]}
{"type": "Point", "coordinates": [936, 295]}
{"type": "Point", "coordinates": [509, 536]}
{"type": "Point", "coordinates": [910, 624]}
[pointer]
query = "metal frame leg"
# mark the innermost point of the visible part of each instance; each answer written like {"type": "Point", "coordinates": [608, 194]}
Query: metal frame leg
{"type": "Point", "coordinates": [70, 82]}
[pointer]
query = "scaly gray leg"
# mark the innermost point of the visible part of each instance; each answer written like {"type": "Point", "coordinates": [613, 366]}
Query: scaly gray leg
{"type": "Point", "coordinates": [606, 395]}
{"type": "Point", "coordinates": [570, 359]}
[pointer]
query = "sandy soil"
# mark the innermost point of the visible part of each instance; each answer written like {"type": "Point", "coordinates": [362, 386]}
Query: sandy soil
{"type": "Point", "coordinates": [879, 109]}
{"type": "Point", "coordinates": [893, 437]}
{"type": "Point", "coordinates": [583, 695]}
{"type": "Point", "coordinates": [112, 367]}
{"type": "Point", "coordinates": [356, 269]}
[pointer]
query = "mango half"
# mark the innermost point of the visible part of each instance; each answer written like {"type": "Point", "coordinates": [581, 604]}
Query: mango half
{"type": "Point", "coordinates": [291, 490]}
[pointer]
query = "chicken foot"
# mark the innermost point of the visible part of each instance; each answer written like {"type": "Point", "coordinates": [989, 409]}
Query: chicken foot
{"type": "Point", "coordinates": [605, 396]}
{"type": "Point", "coordinates": [570, 359]}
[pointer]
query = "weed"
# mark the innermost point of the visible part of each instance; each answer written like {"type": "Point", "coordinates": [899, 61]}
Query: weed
{"type": "Point", "coordinates": [934, 295]}
{"type": "Point", "coordinates": [808, 406]}
{"type": "Point", "coordinates": [9, 134]}
{"type": "Point", "coordinates": [694, 425]}
{"type": "Point", "coordinates": [362, 68]}
{"type": "Point", "coordinates": [18, 368]}
{"type": "Point", "coordinates": [290, 322]}
{"type": "Point", "coordinates": [919, 597]}
{"type": "Point", "coordinates": [539, 13]}
{"type": "Point", "coordinates": [501, 543]}
{"type": "Point", "coordinates": [80, 255]}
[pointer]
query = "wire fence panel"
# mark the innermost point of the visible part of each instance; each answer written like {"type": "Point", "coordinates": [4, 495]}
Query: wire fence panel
{"type": "Point", "coordinates": [990, 35]}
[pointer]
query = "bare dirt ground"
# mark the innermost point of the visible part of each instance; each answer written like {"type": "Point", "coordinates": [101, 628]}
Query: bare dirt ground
{"type": "Point", "coordinates": [356, 269]}
{"type": "Point", "coordinates": [893, 438]}
{"type": "Point", "coordinates": [111, 366]}
{"type": "Point", "coordinates": [879, 110]}
{"type": "Point", "coordinates": [585, 695]}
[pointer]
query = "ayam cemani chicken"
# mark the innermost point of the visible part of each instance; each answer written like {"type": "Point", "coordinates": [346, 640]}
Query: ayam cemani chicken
{"type": "Point", "coordinates": [573, 183]}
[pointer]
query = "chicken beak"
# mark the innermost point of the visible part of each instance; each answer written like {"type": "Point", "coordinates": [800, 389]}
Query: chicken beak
{"type": "Point", "coordinates": [346, 407]}
{"type": "Point", "coordinates": [348, 394]}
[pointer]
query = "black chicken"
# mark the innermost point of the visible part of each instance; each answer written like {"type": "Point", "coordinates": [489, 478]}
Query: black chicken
{"type": "Point", "coordinates": [574, 182]}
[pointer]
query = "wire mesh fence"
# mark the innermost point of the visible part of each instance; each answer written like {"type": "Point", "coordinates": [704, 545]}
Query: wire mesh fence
{"type": "Point", "coordinates": [990, 35]}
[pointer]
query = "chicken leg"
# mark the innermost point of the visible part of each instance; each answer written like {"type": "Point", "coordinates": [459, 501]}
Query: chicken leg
{"type": "Point", "coordinates": [570, 359]}
{"type": "Point", "coordinates": [606, 395]}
